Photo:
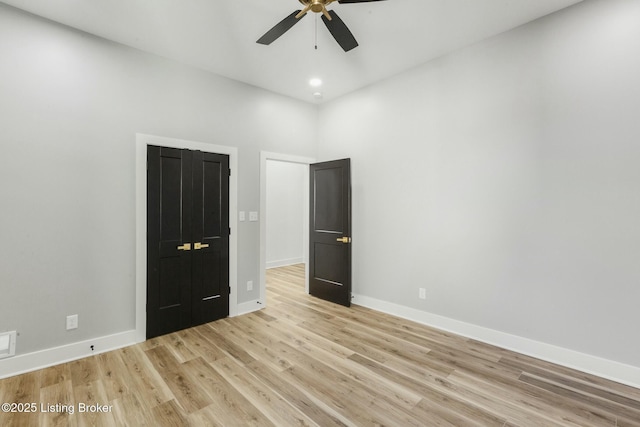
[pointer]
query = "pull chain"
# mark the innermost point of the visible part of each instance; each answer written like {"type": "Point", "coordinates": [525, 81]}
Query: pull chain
{"type": "Point", "coordinates": [316, 35]}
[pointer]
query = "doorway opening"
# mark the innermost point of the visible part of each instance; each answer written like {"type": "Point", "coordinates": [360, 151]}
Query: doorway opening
{"type": "Point", "coordinates": [284, 228]}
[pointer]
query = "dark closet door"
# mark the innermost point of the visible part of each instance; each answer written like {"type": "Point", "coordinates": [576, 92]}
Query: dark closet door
{"type": "Point", "coordinates": [187, 239]}
{"type": "Point", "coordinates": [330, 231]}
{"type": "Point", "coordinates": [169, 202]}
{"type": "Point", "coordinates": [211, 237]}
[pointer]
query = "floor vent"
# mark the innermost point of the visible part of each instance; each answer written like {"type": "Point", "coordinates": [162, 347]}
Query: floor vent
{"type": "Point", "coordinates": [7, 344]}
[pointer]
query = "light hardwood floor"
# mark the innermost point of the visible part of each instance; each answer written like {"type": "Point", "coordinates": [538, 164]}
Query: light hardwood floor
{"type": "Point", "coordinates": [302, 361]}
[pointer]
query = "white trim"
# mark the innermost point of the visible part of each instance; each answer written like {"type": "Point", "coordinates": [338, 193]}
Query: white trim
{"type": "Point", "coordinates": [284, 262]}
{"type": "Point", "coordinates": [249, 307]}
{"type": "Point", "coordinates": [54, 356]}
{"type": "Point", "coordinates": [142, 141]}
{"type": "Point", "coordinates": [264, 156]}
{"type": "Point", "coordinates": [609, 369]}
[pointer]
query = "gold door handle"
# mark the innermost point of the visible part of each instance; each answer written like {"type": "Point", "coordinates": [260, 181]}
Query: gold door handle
{"type": "Point", "coordinates": [344, 239]}
{"type": "Point", "coordinates": [185, 247]}
{"type": "Point", "coordinates": [199, 245]}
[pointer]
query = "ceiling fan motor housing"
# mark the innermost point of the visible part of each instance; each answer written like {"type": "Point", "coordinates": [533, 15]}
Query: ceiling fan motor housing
{"type": "Point", "coordinates": [316, 6]}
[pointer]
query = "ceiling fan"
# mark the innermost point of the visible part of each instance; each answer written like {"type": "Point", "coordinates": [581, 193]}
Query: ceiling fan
{"type": "Point", "coordinates": [336, 26]}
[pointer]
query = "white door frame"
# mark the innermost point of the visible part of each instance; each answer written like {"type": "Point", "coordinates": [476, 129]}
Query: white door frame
{"type": "Point", "coordinates": [142, 141]}
{"type": "Point", "coordinates": [264, 157]}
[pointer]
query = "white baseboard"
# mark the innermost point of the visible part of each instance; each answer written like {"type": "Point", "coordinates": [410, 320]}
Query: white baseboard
{"type": "Point", "coordinates": [248, 307]}
{"type": "Point", "coordinates": [28, 362]}
{"type": "Point", "coordinates": [284, 262]}
{"type": "Point", "coordinates": [53, 356]}
{"type": "Point", "coordinates": [609, 369]}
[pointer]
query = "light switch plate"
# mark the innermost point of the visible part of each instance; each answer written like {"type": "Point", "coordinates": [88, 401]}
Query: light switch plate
{"type": "Point", "coordinates": [242, 216]}
{"type": "Point", "coordinates": [253, 216]}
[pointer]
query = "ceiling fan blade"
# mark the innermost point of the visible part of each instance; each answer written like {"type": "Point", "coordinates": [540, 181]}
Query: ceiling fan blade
{"type": "Point", "coordinates": [280, 28]}
{"type": "Point", "coordinates": [340, 32]}
{"type": "Point", "coordinates": [356, 1]}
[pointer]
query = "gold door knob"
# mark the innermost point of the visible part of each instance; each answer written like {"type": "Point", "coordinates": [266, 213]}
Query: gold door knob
{"type": "Point", "coordinates": [185, 247]}
{"type": "Point", "coordinates": [344, 239]}
{"type": "Point", "coordinates": [199, 245]}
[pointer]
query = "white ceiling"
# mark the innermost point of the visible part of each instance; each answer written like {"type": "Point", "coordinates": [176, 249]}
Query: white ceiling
{"type": "Point", "coordinates": [220, 35]}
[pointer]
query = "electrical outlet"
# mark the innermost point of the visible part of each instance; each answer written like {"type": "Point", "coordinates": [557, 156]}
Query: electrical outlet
{"type": "Point", "coordinates": [72, 322]}
{"type": "Point", "coordinates": [253, 216]}
{"type": "Point", "coordinates": [250, 285]}
{"type": "Point", "coordinates": [422, 293]}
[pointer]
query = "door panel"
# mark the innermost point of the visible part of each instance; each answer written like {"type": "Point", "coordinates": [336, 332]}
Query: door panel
{"type": "Point", "coordinates": [329, 215]}
{"type": "Point", "coordinates": [211, 230]}
{"type": "Point", "coordinates": [169, 226]}
{"type": "Point", "coordinates": [187, 203]}
{"type": "Point", "coordinates": [329, 224]}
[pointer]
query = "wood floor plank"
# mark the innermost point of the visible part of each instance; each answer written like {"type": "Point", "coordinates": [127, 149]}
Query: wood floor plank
{"type": "Point", "coordinates": [84, 371]}
{"type": "Point", "coordinates": [586, 389]}
{"type": "Point", "coordinates": [22, 389]}
{"type": "Point", "coordinates": [144, 378]}
{"type": "Point", "coordinates": [543, 368]}
{"type": "Point", "coordinates": [229, 405]}
{"type": "Point", "coordinates": [270, 403]}
{"type": "Point", "coordinates": [169, 414]}
{"type": "Point", "coordinates": [344, 392]}
{"type": "Point", "coordinates": [599, 404]}
{"type": "Point", "coordinates": [190, 396]}
{"type": "Point", "coordinates": [60, 393]}
{"type": "Point", "coordinates": [522, 404]}
{"type": "Point", "coordinates": [232, 349]}
{"type": "Point", "coordinates": [246, 339]}
{"type": "Point", "coordinates": [391, 391]}
{"type": "Point", "coordinates": [111, 367]}
{"type": "Point", "coordinates": [432, 390]}
{"type": "Point", "coordinates": [55, 374]}
{"type": "Point", "coordinates": [206, 417]}
{"type": "Point", "coordinates": [301, 361]}
{"type": "Point", "coordinates": [298, 397]}
{"type": "Point", "coordinates": [175, 343]}
{"type": "Point", "coordinates": [90, 395]}
{"type": "Point", "coordinates": [202, 346]}
{"type": "Point", "coordinates": [128, 410]}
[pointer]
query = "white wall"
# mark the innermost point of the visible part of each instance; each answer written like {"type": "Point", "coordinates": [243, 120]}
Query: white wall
{"type": "Point", "coordinates": [285, 203]}
{"type": "Point", "coordinates": [505, 179]}
{"type": "Point", "coordinates": [70, 106]}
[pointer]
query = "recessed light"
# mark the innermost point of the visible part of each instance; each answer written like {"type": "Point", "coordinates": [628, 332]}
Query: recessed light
{"type": "Point", "coordinates": [315, 82]}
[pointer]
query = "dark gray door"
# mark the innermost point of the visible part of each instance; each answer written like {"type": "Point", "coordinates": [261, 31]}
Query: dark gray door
{"type": "Point", "coordinates": [330, 231]}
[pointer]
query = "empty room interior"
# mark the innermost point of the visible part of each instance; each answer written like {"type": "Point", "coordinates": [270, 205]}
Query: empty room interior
{"type": "Point", "coordinates": [493, 238]}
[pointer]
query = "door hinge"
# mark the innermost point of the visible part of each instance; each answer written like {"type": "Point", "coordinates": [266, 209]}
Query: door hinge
{"type": "Point", "coordinates": [229, 290]}
{"type": "Point", "coordinates": [229, 231]}
{"type": "Point", "coordinates": [229, 172]}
